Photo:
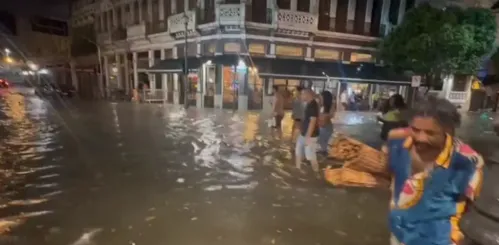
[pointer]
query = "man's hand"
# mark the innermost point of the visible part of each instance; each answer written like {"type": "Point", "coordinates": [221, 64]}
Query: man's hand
{"type": "Point", "coordinates": [308, 141]}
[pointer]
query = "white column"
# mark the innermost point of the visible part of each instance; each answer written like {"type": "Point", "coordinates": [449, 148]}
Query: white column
{"type": "Point", "coordinates": [294, 5]}
{"type": "Point", "coordinates": [152, 77]}
{"type": "Point", "coordinates": [384, 16]}
{"type": "Point", "coordinates": [141, 15]}
{"type": "Point", "coordinates": [163, 75]}
{"type": "Point", "coordinates": [132, 12]}
{"type": "Point", "coordinates": [186, 5]}
{"type": "Point", "coordinates": [351, 10]}
{"type": "Point", "coordinates": [314, 6]}
{"type": "Point", "coordinates": [174, 6]}
{"type": "Point", "coordinates": [161, 7]}
{"type": "Point", "coordinates": [332, 8]}
{"type": "Point", "coordinates": [447, 86]}
{"type": "Point", "coordinates": [106, 73]}
{"type": "Point", "coordinates": [368, 19]}
{"type": "Point", "coordinates": [401, 12]}
{"type": "Point", "coordinates": [127, 73]}
{"type": "Point", "coordinates": [135, 73]}
{"type": "Point", "coordinates": [176, 93]}
{"type": "Point", "coordinates": [149, 11]}
{"type": "Point", "coordinates": [118, 66]}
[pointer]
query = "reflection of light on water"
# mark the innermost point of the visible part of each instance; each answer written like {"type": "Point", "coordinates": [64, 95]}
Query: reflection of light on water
{"type": "Point", "coordinates": [27, 140]}
{"type": "Point", "coordinates": [251, 127]}
{"type": "Point", "coordinates": [116, 118]}
{"type": "Point", "coordinates": [6, 224]}
{"type": "Point", "coordinates": [247, 186]}
{"type": "Point", "coordinates": [86, 238]}
{"type": "Point", "coordinates": [51, 194]}
{"type": "Point", "coordinates": [211, 140]}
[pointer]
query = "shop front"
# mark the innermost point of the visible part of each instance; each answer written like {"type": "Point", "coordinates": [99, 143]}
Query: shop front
{"type": "Point", "coordinates": [246, 83]}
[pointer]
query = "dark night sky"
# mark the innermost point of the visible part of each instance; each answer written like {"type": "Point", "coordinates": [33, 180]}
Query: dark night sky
{"type": "Point", "coordinates": [50, 8]}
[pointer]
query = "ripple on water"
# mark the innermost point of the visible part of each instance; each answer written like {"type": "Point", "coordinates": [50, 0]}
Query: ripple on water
{"type": "Point", "coordinates": [27, 140]}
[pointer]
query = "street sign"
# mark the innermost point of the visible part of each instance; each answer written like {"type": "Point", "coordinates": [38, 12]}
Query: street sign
{"type": "Point", "coordinates": [416, 81]}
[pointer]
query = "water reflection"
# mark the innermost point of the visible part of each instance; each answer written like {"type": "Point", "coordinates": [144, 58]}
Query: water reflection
{"type": "Point", "coordinates": [25, 140]}
{"type": "Point", "coordinates": [147, 174]}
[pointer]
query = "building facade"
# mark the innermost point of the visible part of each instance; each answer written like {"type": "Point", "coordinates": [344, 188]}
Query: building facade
{"type": "Point", "coordinates": [238, 49]}
{"type": "Point", "coordinates": [26, 37]}
{"type": "Point", "coordinates": [84, 64]}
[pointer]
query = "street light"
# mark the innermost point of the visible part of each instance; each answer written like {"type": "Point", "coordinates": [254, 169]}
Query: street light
{"type": "Point", "coordinates": [9, 60]}
{"type": "Point", "coordinates": [7, 51]}
{"type": "Point", "coordinates": [34, 69]}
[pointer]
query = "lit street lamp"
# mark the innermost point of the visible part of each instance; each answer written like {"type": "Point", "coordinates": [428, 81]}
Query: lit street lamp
{"type": "Point", "coordinates": [34, 68]}
{"type": "Point", "coordinates": [7, 51]}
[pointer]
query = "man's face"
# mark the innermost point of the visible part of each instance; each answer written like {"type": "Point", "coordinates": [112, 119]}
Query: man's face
{"type": "Point", "coordinates": [427, 134]}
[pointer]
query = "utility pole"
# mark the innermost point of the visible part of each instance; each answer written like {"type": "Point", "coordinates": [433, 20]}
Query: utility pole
{"type": "Point", "coordinates": [186, 65]}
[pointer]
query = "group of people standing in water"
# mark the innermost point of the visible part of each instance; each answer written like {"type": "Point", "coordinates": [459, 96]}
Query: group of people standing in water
{"type": "Point", "coordinates": [312, 124]}
{"type": "Point", "coordinates": [434, 175]}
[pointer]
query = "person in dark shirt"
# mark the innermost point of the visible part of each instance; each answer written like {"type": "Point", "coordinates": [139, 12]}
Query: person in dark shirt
{"type": "Point", "coordinates": [306, 144]}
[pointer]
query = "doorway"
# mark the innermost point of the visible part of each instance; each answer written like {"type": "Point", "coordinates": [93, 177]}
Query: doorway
{"type": "Point", "coordinates": [230, 88]}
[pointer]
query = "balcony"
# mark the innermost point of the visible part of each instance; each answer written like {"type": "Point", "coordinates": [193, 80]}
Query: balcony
{"type": "Point", "coordinates": [104, 38]}
{"type": "Point", "coordinates": [294, 22]}
{"type": "Point", "coordinates": [159, 26]}
{"type": "Point", "coordinates": [176, 23]}
{"type": "Point", "coordinates": [135, 32]}
{"type": "Point", "coordinates": [231, 15]}
{"type": "Point", "coordinates": [119, 34]}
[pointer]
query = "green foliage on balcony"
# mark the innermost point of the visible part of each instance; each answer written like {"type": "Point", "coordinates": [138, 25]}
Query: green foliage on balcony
{"type": "Point", "coordinates": [434, 42]}
{"type": "Point", "coordinates": [83, 41]}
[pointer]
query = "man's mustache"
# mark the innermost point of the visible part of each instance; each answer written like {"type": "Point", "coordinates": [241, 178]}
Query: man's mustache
{"type": "Point", "coordinates": [422, 144]}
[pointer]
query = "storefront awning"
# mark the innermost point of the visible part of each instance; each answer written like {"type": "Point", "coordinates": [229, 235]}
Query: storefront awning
{"type": "Point", "coordinates": [320, 70]}
{"type": "Point", "coordinates": [490, 80]}
{"type": "Point", "coordinates": [174, 65]}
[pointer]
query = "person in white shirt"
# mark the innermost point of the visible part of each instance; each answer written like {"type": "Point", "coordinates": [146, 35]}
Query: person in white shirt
{"type": "Point", "coordinates": [344, 100]}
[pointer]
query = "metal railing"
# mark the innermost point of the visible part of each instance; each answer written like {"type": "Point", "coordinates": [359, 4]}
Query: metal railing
{"type": "Point", "coordinates": [153, 95]}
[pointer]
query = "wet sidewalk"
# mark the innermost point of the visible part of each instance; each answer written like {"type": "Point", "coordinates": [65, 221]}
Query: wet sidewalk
{"type": "Point", "coordinates": [151, 174]}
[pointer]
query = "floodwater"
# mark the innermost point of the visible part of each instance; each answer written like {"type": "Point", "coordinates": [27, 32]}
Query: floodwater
{"type": "Point", "coordinates": [78, 173]}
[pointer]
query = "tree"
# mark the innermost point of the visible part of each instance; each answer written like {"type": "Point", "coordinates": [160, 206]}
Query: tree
{"type": "Point", "coordinates": [434, 42]}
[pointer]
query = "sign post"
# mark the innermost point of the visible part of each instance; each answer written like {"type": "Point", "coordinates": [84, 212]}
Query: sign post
{"type": "Point", "coordinates": [416, 81]}
{"type": "Point", "coordinates": [415, 84]}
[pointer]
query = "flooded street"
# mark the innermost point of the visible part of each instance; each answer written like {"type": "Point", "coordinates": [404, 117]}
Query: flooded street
{"type": "Point", "coordinates": [105, 173]}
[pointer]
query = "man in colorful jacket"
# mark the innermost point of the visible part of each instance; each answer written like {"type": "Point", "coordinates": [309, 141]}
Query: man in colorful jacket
{"type": "Point", "coordinates": [435, 176]}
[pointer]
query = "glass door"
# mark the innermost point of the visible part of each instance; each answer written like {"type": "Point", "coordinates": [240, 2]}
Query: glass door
{"type": "Point", "coordinates": [209, 89]}
{"type": "Point", "coordinates": [229, 88]}
{"type": "Point", "coordinates": [169, 87]}
{"type": "Point", "coordinates": [255, 91]}
{"type": "Point", "coordinates": [192, 88]}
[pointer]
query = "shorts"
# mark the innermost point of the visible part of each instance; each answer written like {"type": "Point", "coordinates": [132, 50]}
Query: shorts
{"type": "Point", "coordinates": [309, 150]}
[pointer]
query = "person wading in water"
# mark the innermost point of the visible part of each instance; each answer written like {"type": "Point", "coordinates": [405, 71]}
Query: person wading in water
{"type": "Point", "coordinates": [306, 144]}
{"type": "Point", "coordinates": [435, 175]}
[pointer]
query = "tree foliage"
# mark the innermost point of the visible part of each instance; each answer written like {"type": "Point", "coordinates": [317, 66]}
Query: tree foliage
{"type": "Point", "coordinates": [434, 42]}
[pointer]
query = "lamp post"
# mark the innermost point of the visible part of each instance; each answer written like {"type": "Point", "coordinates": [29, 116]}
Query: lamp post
{"type": "Point", "coordinates": [186, 65]}
{"type": "Point", "coordinates": [35, 68]}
